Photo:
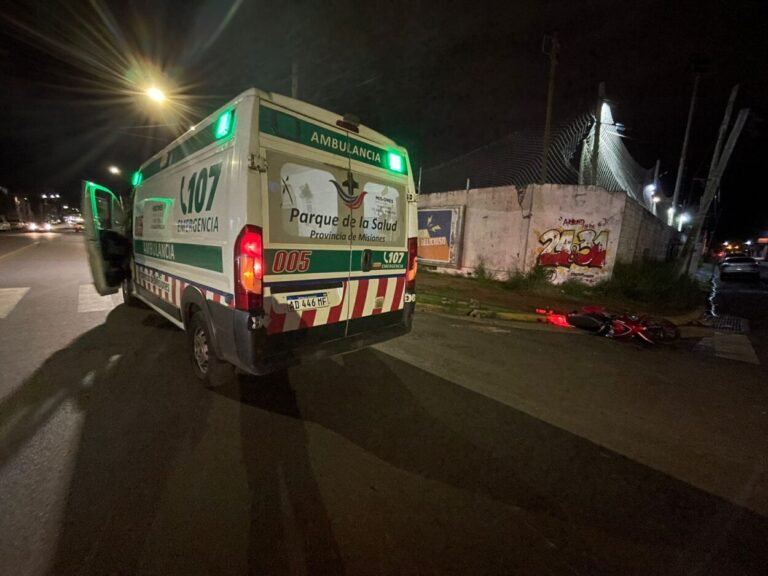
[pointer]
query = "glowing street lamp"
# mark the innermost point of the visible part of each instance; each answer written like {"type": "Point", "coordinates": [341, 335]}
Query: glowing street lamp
{"type": "Point", "coordinates": [154, 93]}
{"type": "Point", "coordinates": [656, 199]}
{"type": "Point", "coordinates": [114, 170]}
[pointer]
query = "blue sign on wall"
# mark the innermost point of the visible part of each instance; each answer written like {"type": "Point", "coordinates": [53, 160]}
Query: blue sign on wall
{"type": "Point", "coordinates": [439, 235]}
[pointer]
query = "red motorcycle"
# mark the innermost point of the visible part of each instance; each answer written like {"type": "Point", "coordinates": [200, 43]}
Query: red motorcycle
{"type": "Point", "coordinates": [598, 320]}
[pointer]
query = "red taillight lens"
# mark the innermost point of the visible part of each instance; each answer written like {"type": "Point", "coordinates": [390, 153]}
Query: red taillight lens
{"type": "Point", "coordinates": [410, 275]}
{"type": "Point", "coordinates": [249, 269]}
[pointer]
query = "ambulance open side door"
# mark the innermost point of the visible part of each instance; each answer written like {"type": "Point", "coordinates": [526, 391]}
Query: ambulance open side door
{"type": "Point", "coordinates": [105, 241]}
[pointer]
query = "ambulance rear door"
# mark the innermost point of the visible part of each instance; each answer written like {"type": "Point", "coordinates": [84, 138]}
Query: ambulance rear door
{"type": "Point", "coordinates": [306, 241]}
{"type": "Point", "coordinates": [378, 210]}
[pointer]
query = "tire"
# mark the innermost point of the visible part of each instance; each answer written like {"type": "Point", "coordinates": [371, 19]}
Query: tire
{"type": "Point", "coordinates": [596, 323]}
{"type": "Point", "coordinates": [208, 367]}
{"type": "Point", "coordinates": [661, 330]}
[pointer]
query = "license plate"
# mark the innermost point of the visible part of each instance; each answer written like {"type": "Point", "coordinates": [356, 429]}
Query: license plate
{"type": "Point", "coordinates": [309, 301]}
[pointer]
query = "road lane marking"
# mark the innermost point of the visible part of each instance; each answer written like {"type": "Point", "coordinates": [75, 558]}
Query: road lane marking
{"type": "Point", "coordinates": [9, 297]}
{"type": "Point", "coordinates": [14, 252]}
{"type": "Point", "coordinates": [88, 300]}
{"type": "Point", "coordinates": [729, 346]}
{"type": "Point", "coordinates": [735, 347]}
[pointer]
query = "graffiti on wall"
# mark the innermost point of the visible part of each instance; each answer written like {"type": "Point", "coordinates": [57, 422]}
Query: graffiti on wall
{"type": "Point", "coordinates": [575, 242]}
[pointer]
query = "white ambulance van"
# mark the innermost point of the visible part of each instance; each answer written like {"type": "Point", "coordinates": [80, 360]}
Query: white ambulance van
{"type": "Point", "coordinates": [273, 232]}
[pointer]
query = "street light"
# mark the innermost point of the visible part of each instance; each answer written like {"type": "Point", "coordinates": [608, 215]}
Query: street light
{"type": "Point", "coordinates": [656, 199]}
{"type": "Point", "coordinates": [682, 219]}
{"type": "Point", "coordinates": [154, 93]}
{"type": "Point", "coordinates": [114, 170]}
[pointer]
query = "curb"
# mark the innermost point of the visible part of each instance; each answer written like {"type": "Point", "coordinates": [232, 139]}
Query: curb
{"type": "Point", "coordinates": [680, 320]}
{"type": "Point", "coordinates": [519, 316]}
{"type": "Point", "coordinates": [685, 319]}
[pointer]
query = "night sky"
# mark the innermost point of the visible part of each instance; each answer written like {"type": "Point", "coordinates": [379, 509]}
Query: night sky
{"type": "Point", "coordinates": [441, 78]}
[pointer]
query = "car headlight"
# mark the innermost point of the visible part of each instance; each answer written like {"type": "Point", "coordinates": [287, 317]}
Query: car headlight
{"type": "Point", "coordinates": [47, 226]}
{"type": "Point", "coordinates": [33, 226]}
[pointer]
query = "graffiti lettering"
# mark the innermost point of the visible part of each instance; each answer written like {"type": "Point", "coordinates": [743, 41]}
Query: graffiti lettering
{"type": "Point", "coordinates": [565, 248]}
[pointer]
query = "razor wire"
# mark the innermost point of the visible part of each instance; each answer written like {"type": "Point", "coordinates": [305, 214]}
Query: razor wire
{"type": "Point", "coordinates": [516, 160]}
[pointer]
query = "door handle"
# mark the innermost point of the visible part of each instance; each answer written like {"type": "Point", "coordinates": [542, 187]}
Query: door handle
{"type": "Point", "coordinates": [366, 261]}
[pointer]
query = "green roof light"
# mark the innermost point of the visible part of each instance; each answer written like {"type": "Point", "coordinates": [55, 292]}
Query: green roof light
{"type": "Point", "coordinates": [223, 126]}
{"type": "Point", "coordinates": [395, 162]}
{"type": "Point", "coordinates": [136, 178]}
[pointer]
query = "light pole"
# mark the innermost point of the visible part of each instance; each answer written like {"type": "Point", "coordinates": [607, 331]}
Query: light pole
{"type": "Point", "coordinates": [655, 199]}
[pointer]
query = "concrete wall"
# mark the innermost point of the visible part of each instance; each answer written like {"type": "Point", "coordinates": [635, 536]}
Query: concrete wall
{"type": "Point", "coordinates": [574, 231]}
{"type": "Point", "coordinates": [645, 237]}
{"type": "Point", "coordinates": [493, 224]}
{"type": "Point", "coordinates": [577, 232]}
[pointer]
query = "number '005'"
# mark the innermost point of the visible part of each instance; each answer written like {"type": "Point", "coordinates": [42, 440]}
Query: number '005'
{"type": "Point", "coordinates": [291, 261]}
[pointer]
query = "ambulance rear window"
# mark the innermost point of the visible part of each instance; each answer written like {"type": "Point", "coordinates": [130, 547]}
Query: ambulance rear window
{"type": "Point", "coordinates": [304, 206]}
{"type": "Point", "coordinates": [312, 203]}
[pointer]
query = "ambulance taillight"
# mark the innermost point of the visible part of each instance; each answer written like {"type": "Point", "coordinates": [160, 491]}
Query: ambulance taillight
{"type": "Point", "coordinates": [249, 269]}
{"type": "Point", "coordinates": [410, 275]}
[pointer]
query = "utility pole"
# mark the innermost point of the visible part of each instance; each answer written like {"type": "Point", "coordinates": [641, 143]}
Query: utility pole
{"type": "Point", "coordinates": [717, 168]}
{"type": "Point", "coordinates": [723, 130]}
{"type": "Point", "coordinates": [684, 152]}
{"type": "Point", "coordinates": [598, 118]}
{"type": "Point", "coordinates": [418, 186]}
{"type": "Point", "coordinates": [294, 79]}
{"type": "Point", "coordinates": [554, 51]}
{"type": "Point", "coordinates": [655, 196]}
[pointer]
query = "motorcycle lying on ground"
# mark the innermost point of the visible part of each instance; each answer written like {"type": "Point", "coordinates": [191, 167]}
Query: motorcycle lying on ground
{"type": "Point", "coordinates": [598, 320]}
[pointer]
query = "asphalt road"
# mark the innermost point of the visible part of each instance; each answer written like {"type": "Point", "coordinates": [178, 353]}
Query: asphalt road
{"type": "Point", "coordinates": [466, 447]}
{"type": "Point", "coordinates": [747, 299]}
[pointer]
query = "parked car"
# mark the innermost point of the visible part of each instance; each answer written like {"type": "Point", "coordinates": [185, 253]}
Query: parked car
{"type": "Point", "coordinates": [743, 266]}
{"type": "Point", "coordinates": [39, 226]}
{"type": "Point", "coordinates": [5, 226]}
{"type": "Point", "coordinates": [17, 224]}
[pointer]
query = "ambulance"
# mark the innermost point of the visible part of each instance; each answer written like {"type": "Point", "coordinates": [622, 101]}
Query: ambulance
{"type": "Point", "coordinates": [273, 232]}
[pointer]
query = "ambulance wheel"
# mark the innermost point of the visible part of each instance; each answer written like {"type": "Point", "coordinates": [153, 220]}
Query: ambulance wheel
{"type": "Point", "coordinates": [128, 298]}
{"type": "Point", "coordinates": [207, 366]}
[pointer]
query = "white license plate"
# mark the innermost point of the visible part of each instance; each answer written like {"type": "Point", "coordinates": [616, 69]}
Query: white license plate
{"type": "Point", "coordinates": [309, 301]}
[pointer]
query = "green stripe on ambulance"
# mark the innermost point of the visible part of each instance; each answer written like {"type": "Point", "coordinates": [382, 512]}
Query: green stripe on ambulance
{"type": "Point", "coordinates": [197, 255]}
{"type": "Point", "coordinates": [285, 261]}
{"type": "Point", "coordinates": [291, 128]}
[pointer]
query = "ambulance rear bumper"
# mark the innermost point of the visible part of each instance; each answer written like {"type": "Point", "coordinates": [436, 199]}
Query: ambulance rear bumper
{"type": "Point", "coordinates": [259, 353]}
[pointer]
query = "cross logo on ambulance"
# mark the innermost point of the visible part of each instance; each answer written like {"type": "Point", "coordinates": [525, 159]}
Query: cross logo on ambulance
{"type": "Point", "coordinates": [350, 200]}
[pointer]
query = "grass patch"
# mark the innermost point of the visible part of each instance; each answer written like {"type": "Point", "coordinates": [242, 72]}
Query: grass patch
{"type": "Point", "coordinates": [482, 272]}
{"type": "Point", "coordinates": [655, 283]}
{"type": "Point", "coordinates": [647, 287]}
{"type": "Point", "coordinates": [536, 279]}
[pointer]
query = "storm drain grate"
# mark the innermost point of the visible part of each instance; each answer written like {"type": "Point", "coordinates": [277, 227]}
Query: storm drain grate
{"type": "Point", "coordinates": [730, 324]}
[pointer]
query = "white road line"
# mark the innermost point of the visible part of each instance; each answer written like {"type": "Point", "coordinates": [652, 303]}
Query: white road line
{"type": "Point", "coordinates": [13, 252]}
{"type": "Point", "coordinates": [88, 300]}
{"type": "Point", "coordinates": [735, 347]}
{"type": "Point", "coordinates": [9, 297]}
